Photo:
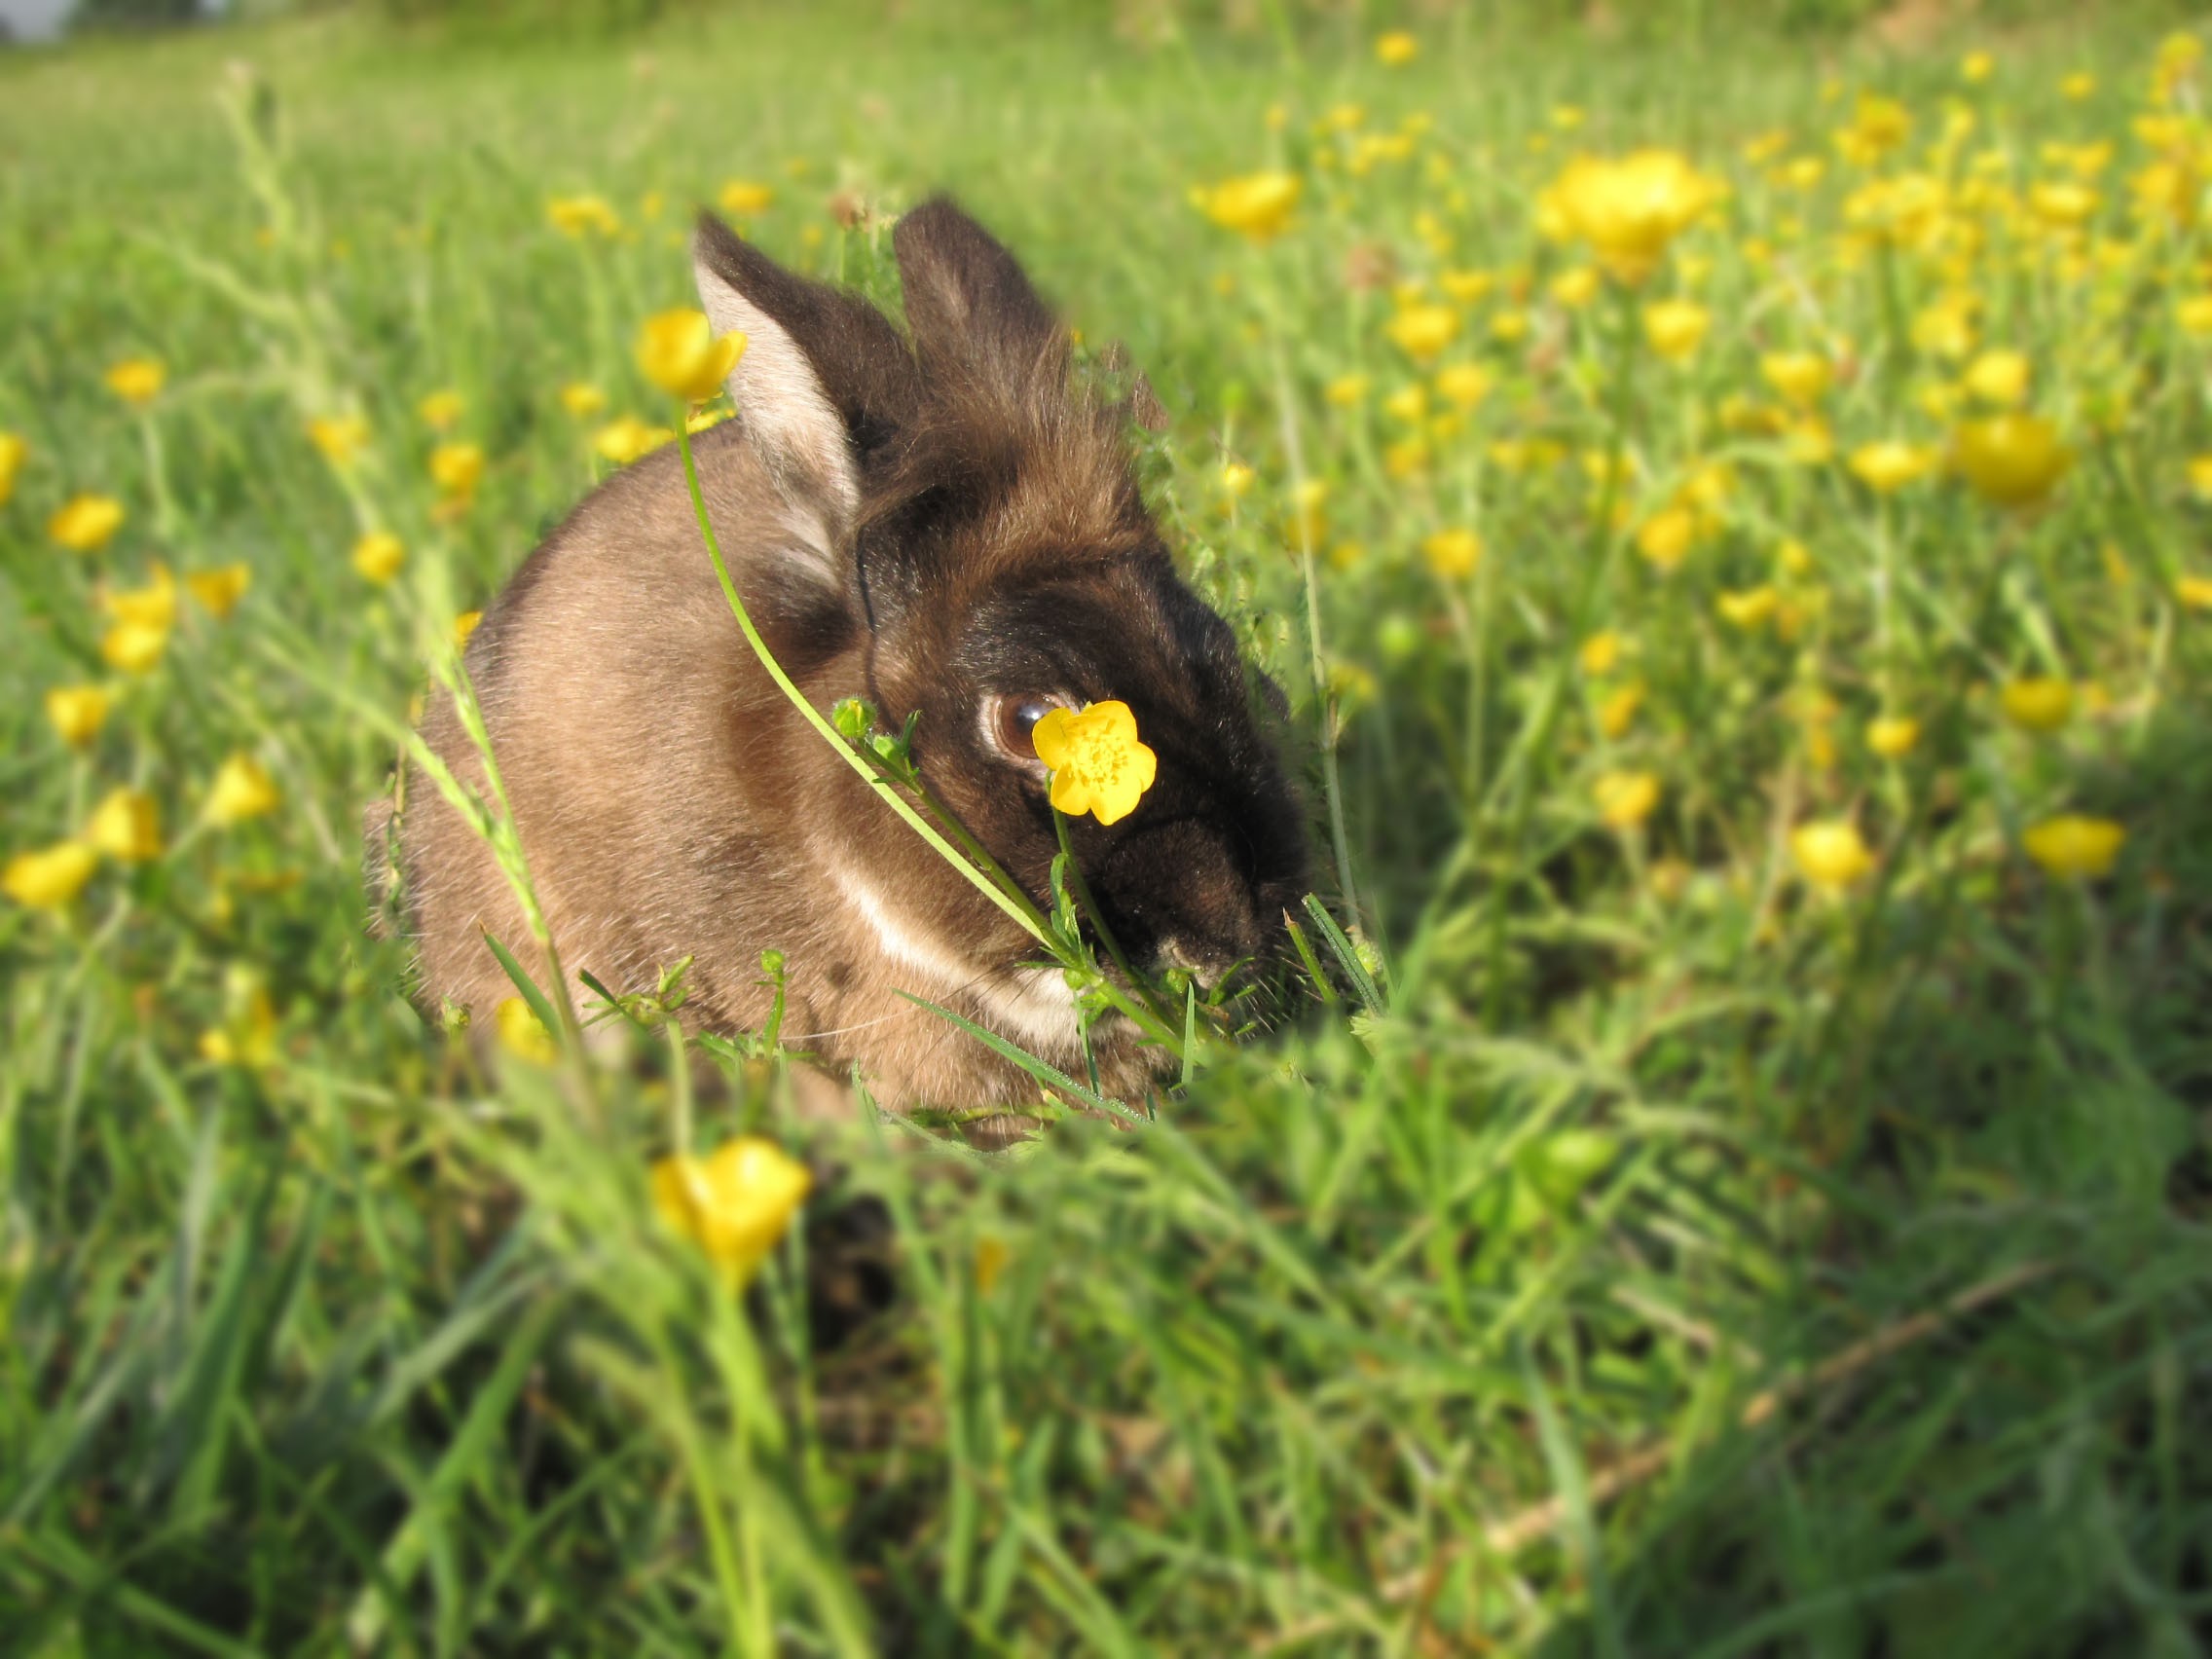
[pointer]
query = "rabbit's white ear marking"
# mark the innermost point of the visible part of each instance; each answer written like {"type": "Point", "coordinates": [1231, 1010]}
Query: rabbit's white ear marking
{"type": "Point", "coordinates": [783, 409]}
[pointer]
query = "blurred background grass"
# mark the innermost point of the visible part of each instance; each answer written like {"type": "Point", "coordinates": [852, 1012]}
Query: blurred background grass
{"type": "Point", "coordinates": [1431, 1331]}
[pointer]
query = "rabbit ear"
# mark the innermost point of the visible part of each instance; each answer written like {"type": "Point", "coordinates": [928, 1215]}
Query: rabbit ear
{"type": "Point", "coordinates": [823, 372]}
{"type": "Point", "coordinates": [969, 301]}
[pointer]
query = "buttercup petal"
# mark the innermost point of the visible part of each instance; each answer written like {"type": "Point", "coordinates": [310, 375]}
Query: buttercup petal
{"type": "Point", "coordinates": [1051, 738]}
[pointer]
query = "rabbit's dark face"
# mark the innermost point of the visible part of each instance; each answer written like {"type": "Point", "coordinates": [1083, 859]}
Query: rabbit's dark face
{"type": "Point", "coordinates": [1000, 562]}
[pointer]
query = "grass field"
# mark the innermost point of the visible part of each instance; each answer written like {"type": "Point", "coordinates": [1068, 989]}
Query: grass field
{"type": "Point", "coordinates": [1764, 1206]}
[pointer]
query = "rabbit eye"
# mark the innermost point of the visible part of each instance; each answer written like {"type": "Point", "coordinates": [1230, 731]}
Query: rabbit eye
{"type": "Point", "coordinates": [1012, 722]}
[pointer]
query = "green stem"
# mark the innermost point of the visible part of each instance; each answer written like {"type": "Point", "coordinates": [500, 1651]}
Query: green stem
{"type": "Point", "coordinates": [879, 785]}
{"type": "Point", "coordinates": [1106, 934]}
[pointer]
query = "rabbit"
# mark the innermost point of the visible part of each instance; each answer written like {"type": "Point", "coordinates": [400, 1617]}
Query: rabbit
{"type": "Point", "coordinates": [949, 526]}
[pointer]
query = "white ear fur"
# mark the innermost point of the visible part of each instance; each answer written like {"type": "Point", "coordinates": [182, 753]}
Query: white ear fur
{"type": "Point", "coordinates": [789, 420]}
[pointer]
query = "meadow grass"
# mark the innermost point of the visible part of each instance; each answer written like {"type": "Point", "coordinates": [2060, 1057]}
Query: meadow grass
{"type": "Point", "coordinates": [1684, 1253]}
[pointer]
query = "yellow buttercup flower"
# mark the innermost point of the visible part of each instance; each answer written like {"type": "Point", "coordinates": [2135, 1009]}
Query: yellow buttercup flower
{"type": "Point", "coordinates": [1464, 384]}
{"type": "Point", "coordinates": [739, 197]}
{"type": "Point", "coordinates": [2009, 459]}
{"type": "Point", "coordinates": [523, 1034]}
{"type": "Point", "coordinates": [77, 712]}
{"type": "Point", "coordinates": [2075, 847]}
{"type": "Point", "coordinates": [2194, 592]}
{"type": "Point", "coordinates": [1892, 736]}
{"type": "Point", "coordinates": [736, 1203]}
{"type": "Point", "coordinates": [12, 450]}
{"type": "Point", "coordinates": [133, 648]}
{"type": "Point", "coordinates": [1976, 67]}
{"type": "Point", "coordinates": [579, 216]}
{"type": "Point", "coordinates": [465, 625]}
{"type": "Point", "coordinates": [679, 353]}
{"type": "Point", "coordinates": [456, 468]}
{"type": "Point", "coordinates": [440, 410]}
{"type": "Point", "coordinates": [1666, 536]}
{"type": "Point", "coordinates": [1599, 654]}
{"type": "Point", "coordinates": [242, 789]}
{"type": "Point", "coordinates": [379, 556]}
{"type": "Point", "coordinates": [1420, 332]}
{"type": "Point", "coordinates": [2039, 702]}
{"type": "Point", "coordinates": [1453, 554]}
{"type": "Point", "coordinates": [1675, 328]}
{"type": "Point", "coordinates": [1630, 209]}
{"type": "Point", "coordinates": [1999, 378]}
{"type": "Point", "coordinates": [1889, 465]}
{"type": "Point", "coordinates": [340, 438]}
{"type": "Point", "coordinates": [126, 826]}
{"type": "Point", "coordinates": [1257, 206]}
{"type": "Point", "coordinates": [143, 618]}
{"type": "Point", "coordinates": [137, 381]}
{"type": "Point", "coordinates": [50, 878]}
{"type": "Point", "coordinates": [1831, 853]}
{"type": "Point", "coordinates": [1346, 391]}
{"type": "Point", "coordinates": [1397, 49]}
{"type": "Point", "coordinates": [625, 438]}
{"type": "Point", "coordinates": [86, 524]}
{"type": "Point", "coordinates": [1625, 799]}
{"type": "Point", "coordinates": [219, 590]}
{"type": "Point", "coordinates": [1577, 287]}
{"type": "Point", "coordinates": [1749, 607]}
{"type": "Point", "coordinates": [1617, 711]}
{"type": "Point", "coordinates": [1098, 764]}
{"type": "Point", "coordinates": [582, 400]}
{"type": "Point", "coordinates": [2200, 476]}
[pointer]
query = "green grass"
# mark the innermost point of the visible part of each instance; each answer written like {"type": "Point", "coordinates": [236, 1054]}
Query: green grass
{"type": "Point", "coordinates": [1684, 1261]}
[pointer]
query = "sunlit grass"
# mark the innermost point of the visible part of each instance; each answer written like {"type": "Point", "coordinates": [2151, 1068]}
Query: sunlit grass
{"type": "Point", "coordinates": [1746, 610]}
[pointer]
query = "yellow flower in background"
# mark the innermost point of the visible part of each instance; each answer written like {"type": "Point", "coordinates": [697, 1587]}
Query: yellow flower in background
{"type": "Point", "coordinates": [1573, 290]}
{"type": "Point", "coordinates": [739, 197]}
{"type": "Point", "coordinates": [1976, 67]}
{"type": "Point", "coordinates": [2195, 314]}
{"type": "Point", "coordinates": [1945, 330]}
{"type": "Point", "coordinates": [579, 216]}
{"type": "Point", "coordinates": [1749, 607]}
{"type": "Point", "coordinates": [625, 438]}
{"type": "Point", "coordinates": [582, 400]}
{"type": "Point", "coordinates": [1236, 480]}
{"type": "Point", "coordinates": [1257, 206]}
{"type": "Point", "coordinates": [1420, 332]}
{"type": "Point", "coordinates": [154, 604]}
{"type": "Point", "coordinates": [1831, 853]}
{"type": "Point", "coordinates": [1675, 328]}
{"type": "Point", "coordinates": [1346, 391]}
{"type": "Point", "coordinates": [2078, 87]}
{"type": "Point", "coordinates": [77, 712]}
{"type": "Point", "coordinates": [133, 648]}
{"type": "Point", "coordinates": [137, 381]}
{"type": "Point", "coordinates": [1629, 210]}
{"type": "Point", "coordinates": [1888, 464]}
{"type": "Point", "coordinates": [1466, 287]}
{"type": "Point", "coordinates": [679, 353]}
{"type": "Point", "coordinates": [1625, 799]}
{"type": "Point", "coordinates": [2011, 459]}
{"type": "Point", "coordinates": [1666, 536]}
{"type": "Point", "coordinates": [242, 789]}
{"type": "Point", "coordinates": [523, 1034]}
{"type": "Point", "coordinates": [379, 556]}
{"type": "Point", "coordinates": [2062, 204]}
{"type": "Point", "coordinates": [2038, 702]}
{"type": "Point", "coordinates": [1098, 764]}
{"type": "Point", "coordinates": [1892, 736]}
{"type": "Point", "coordinates": [12, 450]}
{"type": "Point", "coordinates": [1809, 442]}
{"type": "Point", "coordinates": [1617, 711]}
{"type": "Point", "coordinates": [2200, 476]}
{"type": "Point", "coordinates": [50, 878]}
{"type": "Point", "coordinates": [700, 419]}
{"type": "Point", "coordinates": [339, 437]}
{"type": "Point", "coordinates": [220, 589]}
{"type": "Point", "coordinates": [2073, 847]}
{"type": "Point", "coordinates": [1397, 49]}
{"type": "Point", "coordinates": [1599, 652]}
{"type": "Point", "coordinates": [456, 468]}
{"type": "Point", "coordinates": [465, 625]}
{"type": "Point", "coordinates": [2194, 592]}
{"type": "Point", "coordinates": [86, 524]}
{"type": "Point", "coordinates": [126, 827]}
{"type": "Point", "coordinates": [735, 1204]}
{"type": "Point", "coordinates": [1464, 384]}
{"type": "Point", "coordinates": [1453, 554]}
{"type": "Point", "coordinates": [1999, 378]}
{"type": "Point", "coordinates": [440, 410]}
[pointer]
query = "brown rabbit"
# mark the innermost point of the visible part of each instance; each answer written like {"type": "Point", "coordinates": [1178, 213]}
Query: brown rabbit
{"type": "Point", "coordinates": [945, 526]}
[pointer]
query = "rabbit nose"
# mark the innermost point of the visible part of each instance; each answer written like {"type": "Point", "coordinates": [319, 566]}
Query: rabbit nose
{"type": "Point", "coordinates": [1204, 963]}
